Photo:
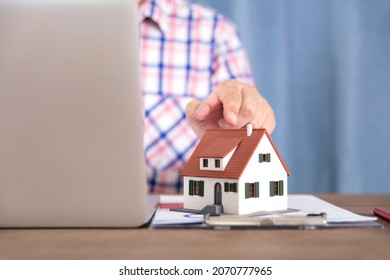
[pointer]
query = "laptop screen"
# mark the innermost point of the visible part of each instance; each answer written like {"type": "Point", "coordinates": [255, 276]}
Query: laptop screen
{"type": "Point", "coordinates": [71, 150]}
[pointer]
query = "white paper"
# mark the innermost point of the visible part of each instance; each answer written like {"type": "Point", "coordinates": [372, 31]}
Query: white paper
{"type": "Point", "coordinates": [309, 204]}
{"type": "Point", "coordinates": [164, 216]}
{"type": "Point", "coordinates": [306, 204]}
{"type": "Point", "coordinates": [167, 217]}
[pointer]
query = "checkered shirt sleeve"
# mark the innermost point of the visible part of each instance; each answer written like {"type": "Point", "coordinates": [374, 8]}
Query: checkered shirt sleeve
{"type": "Point", "coordinates": [186, 50]}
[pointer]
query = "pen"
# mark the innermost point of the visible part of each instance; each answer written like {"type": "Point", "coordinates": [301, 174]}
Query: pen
{"type": "Point", "coordinates": [381, 213]}
{"type": "Point", "coordinates": [234, 220]}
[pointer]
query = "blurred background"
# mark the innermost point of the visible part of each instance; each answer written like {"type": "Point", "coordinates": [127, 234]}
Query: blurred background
{"type": "Point", "coordinates": [324, 66]}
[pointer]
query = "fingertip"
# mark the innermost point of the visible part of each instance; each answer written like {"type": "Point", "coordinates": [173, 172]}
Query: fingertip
{"type": "Point", "coordinates": [269, 123]}
{"type": "Point", "coordinates": [224, 125]}
{"type": "Point", "coordinates": [191, 107]}
{"type": "Point", "coordinates": [231, 118]}
{"type": "Point", "coordinates": [202, 112]}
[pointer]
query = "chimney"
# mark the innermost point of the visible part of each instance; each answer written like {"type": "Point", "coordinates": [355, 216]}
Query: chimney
{"type": "Point", "coordinates": [249, 129]}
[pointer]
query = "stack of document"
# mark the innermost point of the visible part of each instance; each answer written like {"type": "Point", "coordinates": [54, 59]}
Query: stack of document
{"type": "Point", "coordinates": [299, 205]}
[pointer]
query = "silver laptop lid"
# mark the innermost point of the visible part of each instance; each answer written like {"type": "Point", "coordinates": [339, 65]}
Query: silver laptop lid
{"type": "Point", "coordinates": [71, 120]}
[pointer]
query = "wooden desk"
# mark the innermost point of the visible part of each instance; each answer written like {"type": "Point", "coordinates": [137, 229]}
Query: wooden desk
{"type": "Point", "coordinates": [207, 244]}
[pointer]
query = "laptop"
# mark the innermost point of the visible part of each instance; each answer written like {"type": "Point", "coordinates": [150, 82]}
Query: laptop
{"type": "Point", "coordinates": [71, 118]}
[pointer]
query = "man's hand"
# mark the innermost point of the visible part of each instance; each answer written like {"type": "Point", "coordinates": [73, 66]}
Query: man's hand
{"type": "Point", "coordinates": [231, 105]}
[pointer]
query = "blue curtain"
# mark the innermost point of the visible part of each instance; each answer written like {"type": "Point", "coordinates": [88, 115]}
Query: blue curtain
{"type": "Point", "coordinates": [324, 66]}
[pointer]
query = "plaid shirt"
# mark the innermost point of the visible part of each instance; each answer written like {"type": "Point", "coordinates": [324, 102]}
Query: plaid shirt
{"type": "Point", "coordinates": [186, 50]}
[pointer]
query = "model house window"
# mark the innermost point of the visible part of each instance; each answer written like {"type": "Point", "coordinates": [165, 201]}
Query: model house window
{"type": "Point", "coordinates": [265, 157]}
{"type": "Point", "coordinates": [230, 187]}
{"type": "Point", "coordinates": [252, 190]}
{"type": "Point", "coordinates": [276, 188]}
{"type": "Point", "coordinates": [196, 188]}
{"type": "Point", "coordinates": [217, 163]}
{"type": "Point", "coordinates": [205, 162]}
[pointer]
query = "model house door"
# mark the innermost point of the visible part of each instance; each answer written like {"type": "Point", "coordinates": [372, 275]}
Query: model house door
{"type": "Point", "coordinates": [218, 194]}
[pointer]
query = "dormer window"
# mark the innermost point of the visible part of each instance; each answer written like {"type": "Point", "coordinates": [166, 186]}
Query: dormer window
{"type": "Point", "coordinates": [217, 154]}
{"type": "Point", "coordinates": [216, 164]}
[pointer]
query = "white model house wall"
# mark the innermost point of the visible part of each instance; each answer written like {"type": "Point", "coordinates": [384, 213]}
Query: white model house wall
{"type": "Point", "coordinates": [263, 173]}
{"type": "Point", "coordinates": [229, 199]}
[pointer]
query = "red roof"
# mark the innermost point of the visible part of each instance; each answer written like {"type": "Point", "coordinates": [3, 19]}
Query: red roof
{"type": "Point", "coordinates": [220, 147]}
{"type": "Point", "coordinates": [217, 143]}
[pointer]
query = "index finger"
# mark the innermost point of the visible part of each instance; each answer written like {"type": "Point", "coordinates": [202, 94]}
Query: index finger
{"type": "Point", "coordinates": [229, 96]}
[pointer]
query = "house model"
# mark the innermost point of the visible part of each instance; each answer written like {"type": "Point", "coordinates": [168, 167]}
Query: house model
{"type": "Point", "coordinates": [238, 170]}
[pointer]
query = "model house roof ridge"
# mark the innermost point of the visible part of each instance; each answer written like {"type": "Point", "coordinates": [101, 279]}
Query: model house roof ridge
{"type": "Point", "coordinates": [233, 129]}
